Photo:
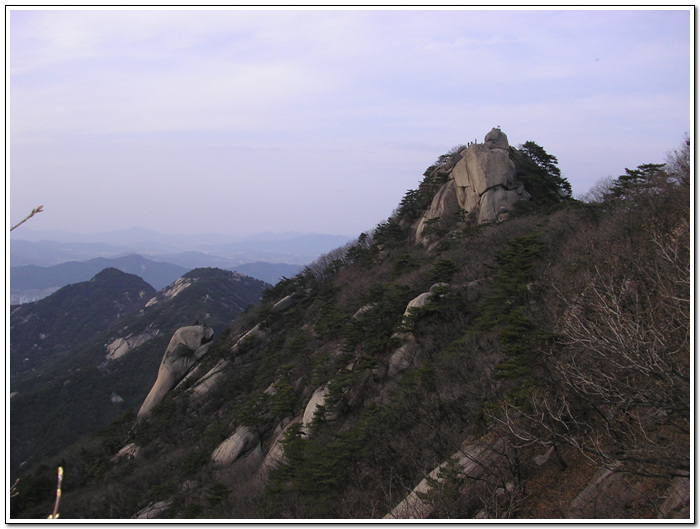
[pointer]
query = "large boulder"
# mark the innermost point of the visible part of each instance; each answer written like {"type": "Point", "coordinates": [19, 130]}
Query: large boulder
{"type": "Point", "coordinates": [496, 139]}
{"type": "Point", "coordinates": [186, 347]}
{"type": "Point", "coordinates": [234, 447]}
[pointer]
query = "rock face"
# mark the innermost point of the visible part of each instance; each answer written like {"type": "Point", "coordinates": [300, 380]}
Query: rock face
{"type": "Point", "coordinates": [186, 347]}
{"type": "Point", "coordinates": [481, 183]}
{"type": "Point", "coordinates": [209, 380]}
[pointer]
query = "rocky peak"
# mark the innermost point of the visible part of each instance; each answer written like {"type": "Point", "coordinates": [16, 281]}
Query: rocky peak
{"type": "Point", "coordinates": [481, 183]}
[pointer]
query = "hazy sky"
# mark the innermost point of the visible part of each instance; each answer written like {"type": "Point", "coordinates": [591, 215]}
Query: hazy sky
{"type": "Point", "coordinates": [319, 121]}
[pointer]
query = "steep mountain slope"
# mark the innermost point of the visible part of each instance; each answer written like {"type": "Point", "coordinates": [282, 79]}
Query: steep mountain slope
{"type": "Point", "coordinates": [96, 359]}
{"type": "Point", "coordinates": [29, 280]}
{"type": "Point", "coordinates": [446, 365]}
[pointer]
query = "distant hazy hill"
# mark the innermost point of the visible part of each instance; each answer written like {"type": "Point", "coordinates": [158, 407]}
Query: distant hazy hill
{"type": "Point", "coordinates": [31, 281]}
{"type": "Point", "coordinates": [54, 247]}
{"type": "Point", "coordinates": [93, 349]}
{"type": "Point", "coordinates": [48, 253]}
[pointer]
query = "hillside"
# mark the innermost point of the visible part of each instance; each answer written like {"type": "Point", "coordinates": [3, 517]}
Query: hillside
{"type": "Point", "coordinates": [82, 356]}
{"type": "Point", "coordinates": [494, 349]}
{"type": "Point", "coordinates": [49, 328]}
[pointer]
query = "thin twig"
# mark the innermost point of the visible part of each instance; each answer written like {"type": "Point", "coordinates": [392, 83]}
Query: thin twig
{"type": "Point", "coordinates": [34, 212]}
{"type": "Point", "coordinates": [55, 514]}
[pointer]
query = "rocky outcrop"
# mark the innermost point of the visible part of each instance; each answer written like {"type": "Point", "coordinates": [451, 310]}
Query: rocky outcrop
{"type": "Point", "coordinates": [318, 400]}
{"type": "Point", "coordinates": [130, 451]}
{"type": "Point", "coordinates": [186, 347]}
{"type": "Point", "coordinates": [275, 455]}
{"type": "Point", "coordinates": [482, 184]}
{"type": "Point", "coordinates": [154, 510]}
{"type": "Point", "coordinates": [121, 346]}
{"type": "Point", "coordinates": [403, 358]}
{"type": "Point", "coordinates": [234, 447]}
{"type": "Point", "coordinates": [421, 300]}
{"type": "Point", "coordinates": [605, 497]}
{"type": "Point", "coordinates": [255, 335]}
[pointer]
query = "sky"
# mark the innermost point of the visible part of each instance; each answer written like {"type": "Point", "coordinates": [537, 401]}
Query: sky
{"type": "Point", "coordinates": [247, 121]}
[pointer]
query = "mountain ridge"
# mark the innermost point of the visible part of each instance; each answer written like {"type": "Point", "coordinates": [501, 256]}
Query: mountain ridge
{"type": "Point", "coordinates": [443, 365]}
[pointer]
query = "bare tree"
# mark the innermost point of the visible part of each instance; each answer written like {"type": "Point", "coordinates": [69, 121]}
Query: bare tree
{"type": "Point", "coordinates": [619, 374]}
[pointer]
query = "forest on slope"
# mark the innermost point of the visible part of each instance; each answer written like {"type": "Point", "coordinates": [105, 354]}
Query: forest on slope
{"type": "Point", "coordinates": [551, 349]}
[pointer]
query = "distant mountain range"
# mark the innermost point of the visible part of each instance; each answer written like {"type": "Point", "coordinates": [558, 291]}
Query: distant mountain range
{"type": "Point", "coordinates": [31, 283]}
{"type": "Point", "coordinates": [54, 247]}
{"type": "Point", "coordinates": [43, 262]}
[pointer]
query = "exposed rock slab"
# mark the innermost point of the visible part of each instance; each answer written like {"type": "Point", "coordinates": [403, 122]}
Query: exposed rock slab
{"type": "Point", "coordinates": [275, 455]}
{"type": "Point", "coordinates": [605, 496]}
{"type": "Point", "coordinates": [403, 358]}
{"type": "Point", "coordinates": [472, 460]}
{"type": "Point", "coordinates": [677, 503]}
